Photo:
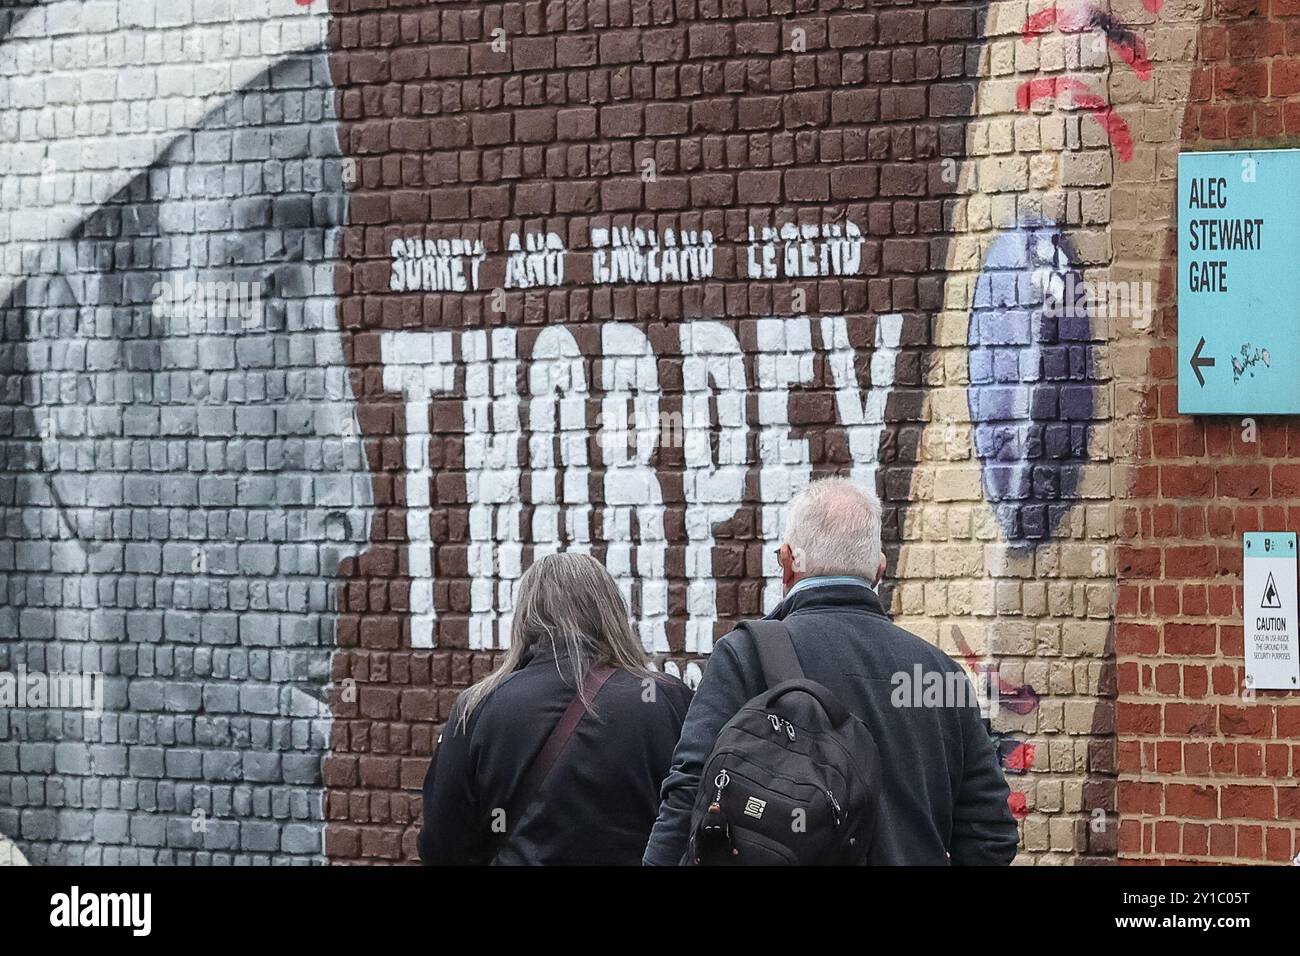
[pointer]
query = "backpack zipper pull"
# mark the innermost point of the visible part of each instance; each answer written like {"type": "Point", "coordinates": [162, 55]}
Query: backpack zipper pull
{"type": "Point", "coordinates": [721, 781]}
{"type": "Point", "coordinates": [778, 723]}
{"type": "Point", "coordinates": [835, 804]}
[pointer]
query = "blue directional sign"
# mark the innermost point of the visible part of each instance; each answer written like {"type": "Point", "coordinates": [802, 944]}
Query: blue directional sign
{"type": "Point", "coordinates": [1239, 282]}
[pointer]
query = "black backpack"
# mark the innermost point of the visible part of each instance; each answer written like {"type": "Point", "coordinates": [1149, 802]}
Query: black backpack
{"type": "Point", "coordinates": [793, 778]}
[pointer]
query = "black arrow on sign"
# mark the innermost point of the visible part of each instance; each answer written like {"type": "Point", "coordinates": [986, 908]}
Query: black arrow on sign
{"type": "Point", "coordinates": [1199, 363]}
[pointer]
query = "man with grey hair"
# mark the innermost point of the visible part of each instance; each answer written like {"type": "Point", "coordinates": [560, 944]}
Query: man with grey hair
{"type": "Point", "coordinates": [943, 798]}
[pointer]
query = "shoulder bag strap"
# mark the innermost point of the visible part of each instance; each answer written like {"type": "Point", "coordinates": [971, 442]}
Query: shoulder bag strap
{"type": "Point", "coordinates": [545, 760]}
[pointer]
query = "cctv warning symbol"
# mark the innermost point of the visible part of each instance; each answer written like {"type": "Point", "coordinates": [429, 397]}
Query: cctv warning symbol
{"type": "Point", "coordinates": [1271, 598]}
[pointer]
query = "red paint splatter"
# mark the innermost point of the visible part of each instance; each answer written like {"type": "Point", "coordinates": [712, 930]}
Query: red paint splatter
{"type": "Point", "coordinates": [1135, 55]}
{"type": "Point", "coordinates": [1021, 760]}
{"type": "Point", "coordinates": [1069, 22]}
{"type": "Point", "coordinates": [1018, 698]}
{"type": "Point", "coordinates": [1039, 23]}
{"type": "Point", "coordinates": [1127, 45]}
{"type": "Point", "coordinates": [1031, 91]}
{"type": "Point", "coordinates": [1124, 42]}
{"type": "Point", "coordinates": [1018, 804]}
{"type": "Point", "coordinates": [1117, 131]}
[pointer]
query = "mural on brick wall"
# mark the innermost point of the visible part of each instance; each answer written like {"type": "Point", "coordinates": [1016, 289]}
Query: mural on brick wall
{"type": "Point", "coordinates": [625, 280]}
{"type": "Point", "coordinates": [182, 473]}
{"type": "Point", "coordinates": [1032, 613]}
{"type": "Point", "coordinates": [1030, 387]}
{"type": "Point", "coordinates": [563, 444]}
{"type": "Point", "coordinates": [309, 356]}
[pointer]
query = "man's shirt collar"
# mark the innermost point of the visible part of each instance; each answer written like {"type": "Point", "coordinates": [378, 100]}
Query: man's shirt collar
{"type": "Point", "coordinates": [829, 580]}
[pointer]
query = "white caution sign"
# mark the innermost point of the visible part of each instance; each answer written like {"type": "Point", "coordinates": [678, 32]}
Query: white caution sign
{"type": "Point", "coordinates": [1269, 611]}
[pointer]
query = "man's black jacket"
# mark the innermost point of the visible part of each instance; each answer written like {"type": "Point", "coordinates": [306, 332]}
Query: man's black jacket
{"type": "Point", "coordinates": [943, 798]}
{"type": "Point", "coordinates": [599, 801]}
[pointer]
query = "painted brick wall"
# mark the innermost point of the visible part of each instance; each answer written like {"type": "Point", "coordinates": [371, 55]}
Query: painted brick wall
{"type": "Point", "coordinates": [1007, 541]}
{"type": "Point", "coordinates": [923, 124]}
{"type": "Point", "coordinates": [617, 276]}
{"type": "Point", "coordinates": [180, 479]}
{"type": "Point", "coordinates": [718, 117]}
{"type": "Point", "coordinates": [1207, 771]}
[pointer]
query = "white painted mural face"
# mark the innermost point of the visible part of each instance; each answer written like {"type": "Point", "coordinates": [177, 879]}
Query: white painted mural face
{"type": "Point", "coordinates": [183, 471]}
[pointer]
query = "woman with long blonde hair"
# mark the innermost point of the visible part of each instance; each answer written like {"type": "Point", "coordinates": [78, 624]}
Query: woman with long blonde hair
{"type": "Point", "coordinates": [557, 756]}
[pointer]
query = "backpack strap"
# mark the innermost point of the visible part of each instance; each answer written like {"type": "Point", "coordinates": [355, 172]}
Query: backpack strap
{"type": "Point", "coordinates": [542, 764]}
{"type": "Point", "coordinates": [775, 651]}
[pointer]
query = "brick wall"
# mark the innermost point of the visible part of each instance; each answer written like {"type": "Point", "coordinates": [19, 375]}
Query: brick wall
{"type": "Point", "coordinates": [685, 119]}
{"type": "Point", "coordinates": [1206, 769]}
{"type": "Point", "coordinates": [323, 319]}
{"type": "Point", "coordinates": [1005, 561]}
{"type": "Point", "coordinates": [180, 479]}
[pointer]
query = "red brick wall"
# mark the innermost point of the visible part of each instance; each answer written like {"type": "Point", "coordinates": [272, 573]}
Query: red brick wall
{"type": "Point", "coordinates": [1208, 774]}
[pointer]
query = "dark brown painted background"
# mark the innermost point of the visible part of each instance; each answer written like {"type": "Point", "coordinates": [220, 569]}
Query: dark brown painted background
{"type": "Point", "coordinates": [453, 139]}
